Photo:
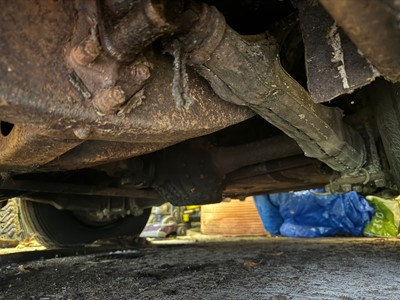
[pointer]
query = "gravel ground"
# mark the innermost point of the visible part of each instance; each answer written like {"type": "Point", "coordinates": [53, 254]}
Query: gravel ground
{"type": "Point", "coordinates": [270, 268]}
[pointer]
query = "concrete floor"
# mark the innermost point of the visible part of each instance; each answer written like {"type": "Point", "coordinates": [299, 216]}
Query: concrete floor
{"type": "Point", "coordinates": [208, 268]}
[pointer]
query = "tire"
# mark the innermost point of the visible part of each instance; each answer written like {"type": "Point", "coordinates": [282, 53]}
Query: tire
{"type": "Point", "coordinates": [10, 228]}
{"type": "Point", "coordinates": [55, 228]}
{"type": "Point", "coordinates": [181, 231]}
{"type": "Point", "coordinates": [387, 98]}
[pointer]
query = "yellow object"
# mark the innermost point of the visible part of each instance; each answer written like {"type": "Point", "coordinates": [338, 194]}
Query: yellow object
{"type": "Point", "coordinates": [192, 207]}
{"type": "Point", "coordinates": [185, 218]}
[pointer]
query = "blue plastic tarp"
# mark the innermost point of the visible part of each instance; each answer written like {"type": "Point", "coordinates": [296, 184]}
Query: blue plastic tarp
{"type": "Point", "coordinates": [307, 214]}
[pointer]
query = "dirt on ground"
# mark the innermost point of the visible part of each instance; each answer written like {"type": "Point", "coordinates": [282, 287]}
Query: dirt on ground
{"type": "Point", "coordinates": [266, 268]}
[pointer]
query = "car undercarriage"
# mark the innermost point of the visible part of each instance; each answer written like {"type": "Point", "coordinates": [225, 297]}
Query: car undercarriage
{"type": "Point", "coordinates": [110, 107]}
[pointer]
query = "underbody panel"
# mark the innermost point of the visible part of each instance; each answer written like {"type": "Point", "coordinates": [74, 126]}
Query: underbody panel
{"type": "Point", "coordinates": [189, 102]}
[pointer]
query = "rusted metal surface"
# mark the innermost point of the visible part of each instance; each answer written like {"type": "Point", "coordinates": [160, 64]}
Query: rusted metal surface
{"type": "Point", "coordinates": [108, 101]}
{"type": "Point", "coordinates": [374, 28]}
{"type": "Point", "coordinates": [202, 171]}
{"type": "Point", "coordinates": [26, 148]}
{"type": "Point", "coordinates": [35, 90]}
{"type": "Point", "coordinates": [333, 64]}
{"type": "Point", "coordinates": [110, 72]}
{"type": "Point", "coordinates": [93, 153]}
{"type": "Point", "coordinates": [157, 120]}
{"type": "Point", "coordinates": [270, 167]}
{"type": "Point", "coordinates": [228, 159]}
{"type": "Point", "coordinates": [97, 76]}
{"type": "Point", "coordinates": [79, 189]}
{"type": "Point", "coordinates": [86, 51]}
{"type": "Point", "coordinates": [304, 177]}
{"type": "Point", "coordinates": [294, 173]}
{"type": "Point", "coordinates": [76, 202]}
{"type": "Point", "coordinates": [146, 21]}
{"type": "Point", "coordinates": [95, 91]}
{"type": "Point", "coordinates": [250, 74]}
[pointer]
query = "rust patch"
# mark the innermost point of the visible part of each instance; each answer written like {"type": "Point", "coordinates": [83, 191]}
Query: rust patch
{"type": "Point", "coordinates": [3, 102]}
{"type": "Point", "coordinates": [107, 101]}
{"type": "Point", "coordinates": [88, 50]}
{"type": "Point", "coordinates": [38, 95]}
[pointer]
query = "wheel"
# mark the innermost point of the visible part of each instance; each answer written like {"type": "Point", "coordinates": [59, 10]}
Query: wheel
{"type": "Point", "coordinates": [55, 228]}
{"type": "Point", "coordinates": [10, 229]}
{"type": "Point", "coordinates": [181, 231]}
{"type": "Point", "coordinates": [387, 98]}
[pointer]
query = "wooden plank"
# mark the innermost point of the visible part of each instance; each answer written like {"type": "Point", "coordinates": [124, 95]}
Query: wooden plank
{"type": "Point", "coordinates": [233, 218]}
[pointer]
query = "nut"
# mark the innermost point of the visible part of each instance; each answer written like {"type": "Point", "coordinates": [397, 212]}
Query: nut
{"type": "Point", "coordinates": [358, 188]}
{"type": "Point", "coordinates": [346, 188]}
{"type": "Point", "coordinates": [380, 182]}
{"type": "Point", "coordinates": [87, 51]}
{"type": "Point", "coordinates": [82, 132]}
{"type": "Point", "coordinates": [108, 101]}
{"type": "Point", "coordinates": [140, 72]}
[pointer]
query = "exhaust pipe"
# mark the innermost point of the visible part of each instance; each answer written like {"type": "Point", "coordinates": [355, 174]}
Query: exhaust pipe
{"type": "Point", "coordinates": [250, 74]}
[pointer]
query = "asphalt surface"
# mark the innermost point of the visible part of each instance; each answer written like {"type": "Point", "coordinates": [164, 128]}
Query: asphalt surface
{"type": "Point", "coordinates": [266, 268]}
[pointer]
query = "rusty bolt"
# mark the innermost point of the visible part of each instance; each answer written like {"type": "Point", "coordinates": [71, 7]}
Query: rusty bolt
{"type": "Point", "coordinates": [87, 51]}
{"type": "Point", "coordinates": [141, 71]}
{"type": "Point", "coordinates": [381, 182]}
{"type": "Point", "coordinates": [108, 101]}
{"type": "Point", "coordinates": [82, 132]}
{"type": "Point", "coordinates": [346, 187]}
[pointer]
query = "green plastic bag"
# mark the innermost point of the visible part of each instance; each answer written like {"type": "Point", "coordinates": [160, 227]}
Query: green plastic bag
{"type": "Point", "coordinates": [386, 219]}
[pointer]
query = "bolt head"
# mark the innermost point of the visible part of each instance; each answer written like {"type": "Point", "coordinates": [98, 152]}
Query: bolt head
{"type": "Point", "coordinates": [346, 188]}
{"type": "Point", "coordinates": [358, 188]}
{"type": "Point", "coordinates": [108, 101]}
{"type": "Point", "coordinates": [86, 52]}
{"type": "Point", "coordinates": [380, 182]}
{"type": "Point", "coordinates": [82, 132]}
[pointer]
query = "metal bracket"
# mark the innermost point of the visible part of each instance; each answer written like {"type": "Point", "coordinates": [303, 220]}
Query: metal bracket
{"type": "Point", "coordinates": [107, 82]}
{"type": "Point", "coordinates": [364, 180]}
